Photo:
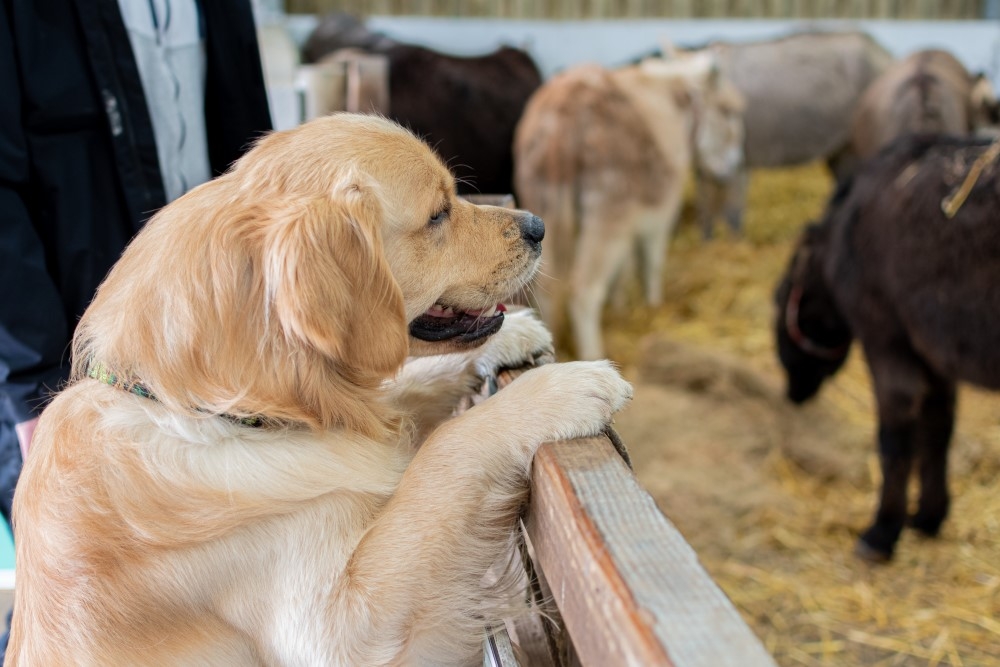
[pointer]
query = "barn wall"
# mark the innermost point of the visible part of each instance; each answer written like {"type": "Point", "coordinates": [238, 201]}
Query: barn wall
{"type": "Point", "coordinates": [558, 44]}
{"type": "Point", "coordinates": [589, 9]}
{"type": "Point", "coordinates": [555, 45]}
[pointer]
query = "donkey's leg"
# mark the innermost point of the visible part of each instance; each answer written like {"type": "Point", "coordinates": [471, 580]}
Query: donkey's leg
{"type": "Point", "coordinates": [621, 284]}
{"type": "Point", "coordinates": [933, 435]}
{"type": "Point", "coordinates": [736, 197]}
{"type": "Point", "coordinates": [600, 255]}
{"type": "Point", "coordinates": [900, 387]}
{"type": "Point", "coordinates": [656, 226]}
{"type": "Point", "coordinates": [550, 292]}
{"type": "Point", "coordinates": [711, 195]}
{"type": "Point", "coordinates": [895, 445]}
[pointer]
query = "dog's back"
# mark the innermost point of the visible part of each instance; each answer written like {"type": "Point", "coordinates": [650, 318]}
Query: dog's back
{"type": "Point", "coordinates": [140, 536]}
{"type": "Point", "coordinates": [86, 600]}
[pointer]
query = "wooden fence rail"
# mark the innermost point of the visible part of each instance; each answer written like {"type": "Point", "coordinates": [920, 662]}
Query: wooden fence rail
{"type": "Point", "coordinates": [628, 588]}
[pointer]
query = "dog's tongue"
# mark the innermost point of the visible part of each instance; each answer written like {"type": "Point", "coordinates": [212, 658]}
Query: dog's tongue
{"type": "Point", "coordinates": [441, 322]}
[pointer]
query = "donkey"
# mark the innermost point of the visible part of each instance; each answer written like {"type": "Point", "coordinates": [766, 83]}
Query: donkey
{"type": "Point", "coordinates": [927, 92]}
{"type": "Point", "coordinates": [905, 262]}
{"type": "Point", "coordinates": [603, 155]}
{"type": "Point", "coordinates": [800, 92]}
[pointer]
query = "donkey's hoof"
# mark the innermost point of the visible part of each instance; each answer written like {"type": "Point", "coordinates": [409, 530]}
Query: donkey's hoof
{"type": "Point", "coordinates": [928, 526]}
{"type": "Point", "coordinates": [876, 544]}
{"type": "Point", "coordinates": [867, 552]}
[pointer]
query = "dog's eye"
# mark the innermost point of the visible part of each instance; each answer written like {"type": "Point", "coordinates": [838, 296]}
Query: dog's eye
{"type": "Point", "coordinates": [438, 217]}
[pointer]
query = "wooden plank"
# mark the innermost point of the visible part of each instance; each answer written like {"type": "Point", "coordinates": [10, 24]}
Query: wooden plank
{"type": "Point", "coordinates": [629, 588]}
{"type": "Point", "coordinates": [528, 633]}
{"type": "Point", "coordinates": [498, 650]}
{"type": "Point", "coordinates": [322, 87]}
{"type": "Point", "coordinates": [552, 647]}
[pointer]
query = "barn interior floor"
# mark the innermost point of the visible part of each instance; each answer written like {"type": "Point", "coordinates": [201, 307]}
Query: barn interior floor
{"type": "Point", "coordinates": [772, 496]}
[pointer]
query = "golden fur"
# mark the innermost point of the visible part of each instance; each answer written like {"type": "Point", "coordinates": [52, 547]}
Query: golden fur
{"type": "Point", "coordinates": [603, 155]}
{"type": "Point", "coordinates": [357, 527]}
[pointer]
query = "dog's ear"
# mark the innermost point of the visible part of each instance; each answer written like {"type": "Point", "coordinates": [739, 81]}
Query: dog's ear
{"type": "Point", "coordinates": [329, 284]}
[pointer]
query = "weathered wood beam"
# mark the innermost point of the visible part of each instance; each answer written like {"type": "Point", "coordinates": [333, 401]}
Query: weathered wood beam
{"type": "Point", "coordinates": [629, 589]}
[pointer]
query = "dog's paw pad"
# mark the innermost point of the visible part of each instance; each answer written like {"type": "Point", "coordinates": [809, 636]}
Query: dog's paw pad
{"type": "Point", "coordinates": [576, 399]}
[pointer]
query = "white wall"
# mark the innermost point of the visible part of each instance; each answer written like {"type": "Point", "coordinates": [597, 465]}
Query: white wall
{"type": "Point", "coordinates": [558, 44]}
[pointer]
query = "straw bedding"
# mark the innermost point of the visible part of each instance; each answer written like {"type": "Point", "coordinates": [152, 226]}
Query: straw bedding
{"type": "Point", "coordinates": [772, 496]}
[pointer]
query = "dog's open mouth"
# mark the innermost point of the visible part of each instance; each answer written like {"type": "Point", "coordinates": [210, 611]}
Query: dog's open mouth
{"type": "Point", "coordinates": [442, 322]}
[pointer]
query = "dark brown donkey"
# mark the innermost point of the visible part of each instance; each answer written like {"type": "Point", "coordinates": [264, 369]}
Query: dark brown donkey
{"type": "Point", "coordinates": [906, 261]}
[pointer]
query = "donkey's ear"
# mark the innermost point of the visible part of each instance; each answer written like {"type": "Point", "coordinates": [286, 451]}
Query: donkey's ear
{"type": "Point", "coordinates": [983, 104]}
{"type": "Point", "coordinates": [329, 283]}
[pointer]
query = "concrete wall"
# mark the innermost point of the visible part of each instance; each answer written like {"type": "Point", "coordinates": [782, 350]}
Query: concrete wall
{"type": "Point", "coordinates": [557, 44]}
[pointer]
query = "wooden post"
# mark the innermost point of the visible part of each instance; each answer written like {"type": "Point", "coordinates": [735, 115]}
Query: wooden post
{"type": "Point", "coordinates": [322, 88]}
{"type": "Point", "coordinates": [498, 650]}
{"type": "Point", "coordinates": [345, 80]}
{"type": "Point", "coordinates": [368, 84]}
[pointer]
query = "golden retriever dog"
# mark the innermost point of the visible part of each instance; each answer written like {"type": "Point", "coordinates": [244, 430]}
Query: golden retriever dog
{"type": "Point", "coordinates": [245, 468]}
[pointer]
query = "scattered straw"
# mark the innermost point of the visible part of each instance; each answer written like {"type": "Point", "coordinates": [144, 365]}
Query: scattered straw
{"type": "Point", "coordinates": [787, 563]}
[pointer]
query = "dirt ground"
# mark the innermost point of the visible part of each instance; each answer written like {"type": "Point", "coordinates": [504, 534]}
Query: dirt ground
{"type": "Point", "coordinates": [772, 496]}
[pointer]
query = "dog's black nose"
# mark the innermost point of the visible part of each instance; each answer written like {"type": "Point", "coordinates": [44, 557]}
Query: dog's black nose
{"type": "Point", "coordinates": [532, 229]}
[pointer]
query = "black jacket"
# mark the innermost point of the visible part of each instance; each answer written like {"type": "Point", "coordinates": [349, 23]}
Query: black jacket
{"type": "Point", "coordinates": [79, 173]}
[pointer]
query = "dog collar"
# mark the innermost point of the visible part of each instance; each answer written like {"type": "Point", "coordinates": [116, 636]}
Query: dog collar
{"type": "Point", "coordinates": [101, 373]}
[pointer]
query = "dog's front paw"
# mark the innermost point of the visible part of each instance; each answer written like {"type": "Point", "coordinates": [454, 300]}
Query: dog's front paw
{"type": "Point", "coordinates": [522, 341]}
{"type": "Point", "coordinates": [570, 400]}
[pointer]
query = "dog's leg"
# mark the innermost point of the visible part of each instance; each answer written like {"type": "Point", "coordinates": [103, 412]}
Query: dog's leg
{"type": "Point", "coordinates": [413, 588]}
{"type": "Point", "coordinates": [429, 388]}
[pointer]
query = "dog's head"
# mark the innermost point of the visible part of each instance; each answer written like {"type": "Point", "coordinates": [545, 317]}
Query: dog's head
{"type": "Point", "coordinates": [306, 275]}
{"type": "Point", "coordinates": [410, 248]}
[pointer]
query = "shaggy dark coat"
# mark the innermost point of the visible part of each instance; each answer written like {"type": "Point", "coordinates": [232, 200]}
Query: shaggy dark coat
{"type": "Point", "coordinates": [919, 291]}
{"type": "Point", "coordinates": [465, 108]}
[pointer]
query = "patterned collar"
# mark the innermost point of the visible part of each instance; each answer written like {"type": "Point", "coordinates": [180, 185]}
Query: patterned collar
{"type": "Point", "coordinates": [101, 373]}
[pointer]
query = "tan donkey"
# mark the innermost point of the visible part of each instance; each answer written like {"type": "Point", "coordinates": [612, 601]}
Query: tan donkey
{"type": "Point", "coordinates": [602, 156]}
